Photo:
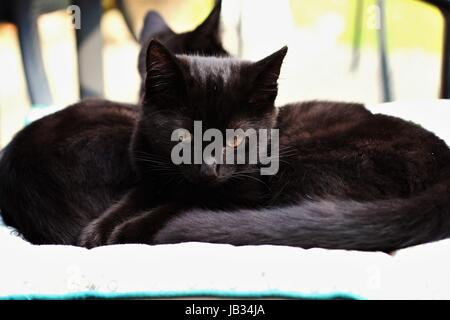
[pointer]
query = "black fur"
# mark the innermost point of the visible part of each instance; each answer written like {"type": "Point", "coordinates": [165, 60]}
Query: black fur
{"type": "Point", "coordinates": [348, 179]}
{"type": "Point", "coordinates": [380, 225]}
{"type": "Point", "coordinates": [222, 93]}
{"type": "Point", "coordinates": [50, 167]}
{"type": "Point", "coordinates": [61, 171]}
{"type": "Point", "coordinates": [49, 186]}
{"type": "Point", "coordinates": [351, 180]}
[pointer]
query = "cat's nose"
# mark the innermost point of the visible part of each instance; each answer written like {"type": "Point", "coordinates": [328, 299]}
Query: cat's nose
{"type": "Point", "coordinates": [208, 172]}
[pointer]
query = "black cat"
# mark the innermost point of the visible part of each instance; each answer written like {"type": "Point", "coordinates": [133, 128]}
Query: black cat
{"type": "Point", "coordinates": [204, 40]}
{"type": "Point", "coordinates": [348, 179]}
{"type": "Point", "coordinates": [102, 131]}
{"type": "Point", "coordinates": [354, 180]}
{"type": "Point", "coordinates": [222, 93]}
{"type": "Point", "coordinates": [63, 170]}
{"type": "Point", "coordinates": [53, 171]}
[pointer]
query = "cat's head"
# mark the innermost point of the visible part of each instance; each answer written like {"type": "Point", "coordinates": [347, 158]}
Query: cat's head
{"type": "Point", "coordinates": [221, 93]}
{"type": "Point", "coordinates": [203, 40]}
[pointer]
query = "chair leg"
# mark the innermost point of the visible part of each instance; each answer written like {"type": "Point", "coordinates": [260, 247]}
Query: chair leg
{"type": "Point", "coordinates": [89, 47]}
{"type": "Point", "coordinates": [386, 81]}
{"type": "Point", "coordinates": [122, 6]}
{"type": "Point", "coordinates": [357, 32]}
{"type": "Point", "coordinates": [25, 16]}
{"type": "Point", "coordinates": [445, 76]}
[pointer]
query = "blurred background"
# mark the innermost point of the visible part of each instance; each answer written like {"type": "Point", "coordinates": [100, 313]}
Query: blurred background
{"type": "Point", "coordinates": [352, 50]}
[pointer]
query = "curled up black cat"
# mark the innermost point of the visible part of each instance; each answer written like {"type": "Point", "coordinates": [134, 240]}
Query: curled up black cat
{"type": "Point", "coordinates": [354, 181]}
{"type": "Point", "coordinates": [65, 151]}
{"type": "Point", "coordinates": [348, 179]}
{"type": "Point", "coordinates": [102, 173]}
{"type": "Point", "coordinates": [64, 170]}
{"type": "Point", "coordinates": [222, 93]}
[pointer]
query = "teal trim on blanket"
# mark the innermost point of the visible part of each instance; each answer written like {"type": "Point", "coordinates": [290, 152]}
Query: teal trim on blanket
{"type": "Point", "coordinates": [177, 294]}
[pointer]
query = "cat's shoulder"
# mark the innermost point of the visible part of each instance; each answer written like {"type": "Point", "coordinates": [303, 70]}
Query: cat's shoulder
{"type": "Point", "coordinates": [94, 109]}
{"type": "Point", "coordinates": [323, 108]}
{"type": "Point", "coordinates": [321, 112]}
{"type": "Point", "coordinates": [87, 119]}
{"type": "Point", "coordinates": [89, 112]}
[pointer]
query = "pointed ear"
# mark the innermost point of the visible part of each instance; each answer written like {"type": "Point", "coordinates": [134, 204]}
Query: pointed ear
{"type": "Point", "coordinates": [164, 75]}
{"type": "Point", "coordinates": [211, 25]}
{"type": "Point", "coordinates": [153, 24]}
{"type": "Point", "coordinates": [265, 78]}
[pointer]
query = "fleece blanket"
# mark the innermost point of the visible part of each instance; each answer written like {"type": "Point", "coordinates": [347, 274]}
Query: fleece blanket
{"type": "Point", "coordinates": [198, 269]}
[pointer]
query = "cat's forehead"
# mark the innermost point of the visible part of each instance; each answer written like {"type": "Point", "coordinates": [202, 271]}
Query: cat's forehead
{"type": "Point", "coordinates": [212, 69]}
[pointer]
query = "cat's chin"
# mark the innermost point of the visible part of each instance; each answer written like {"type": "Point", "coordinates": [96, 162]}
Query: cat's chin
{"type": "Point", "coordinates": [208, 183]}
{"type": "Point", "coordinates": [213, 183]}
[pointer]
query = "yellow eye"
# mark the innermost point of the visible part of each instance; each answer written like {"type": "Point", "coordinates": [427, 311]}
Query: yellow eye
{"type": "Point", "coordinates": [235, 141]}
{"type": "Point", "coordinates": [184, 136]}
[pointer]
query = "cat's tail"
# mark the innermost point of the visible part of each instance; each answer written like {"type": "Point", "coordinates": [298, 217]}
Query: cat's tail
{"type": "Point", "coordinates": [383, 225]}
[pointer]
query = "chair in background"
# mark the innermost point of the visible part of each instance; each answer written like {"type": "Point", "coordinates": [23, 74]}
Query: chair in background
{"type": "Point", "coordinates": [24, 14]}
{"type": "Point", "coordinates": [124, 9]}
{"type": "Point", "coordinates": [382, 47]}
{"type": "Point", "coordinates": [444, 7]}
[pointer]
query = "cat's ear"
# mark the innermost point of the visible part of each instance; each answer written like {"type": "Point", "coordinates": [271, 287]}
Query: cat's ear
{"type": "Point", "coordinates": [164, 75]}
{"type": "Point", "coordinates": [265, 75]}
{"type": "Point", "coordinates": [211, 25]}
{"type": "Point", "coordinates": [153, 24]}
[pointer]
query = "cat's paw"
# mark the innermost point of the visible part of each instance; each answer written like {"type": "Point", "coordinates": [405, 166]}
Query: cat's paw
{"type": "Point", "coordinates": [142, 227]}
{"type": "Point", "coordinates": [93, 235]}
{"type": "Point", "coordinates": [128, 232]}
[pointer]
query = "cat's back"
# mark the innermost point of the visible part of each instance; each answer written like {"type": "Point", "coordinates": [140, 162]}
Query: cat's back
{"type": "Point", "coordinates": [332, 121]}
{"type": "Point", "coordinates": [56, 169]}
{"type": "Point", "coordinates": [319, 119]}
{"type": "Point", "coordinates": [78, 126]}
{"type": "Point", "coordinates": [92, 115]}
{"type": "Point", "coordinates": [343, 150]}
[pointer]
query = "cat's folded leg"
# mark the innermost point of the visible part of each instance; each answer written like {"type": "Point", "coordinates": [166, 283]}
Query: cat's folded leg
{"type": "Point", "coordinates": [142, 228]}
{"type": "Point", "coordinates": [97, 232]}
